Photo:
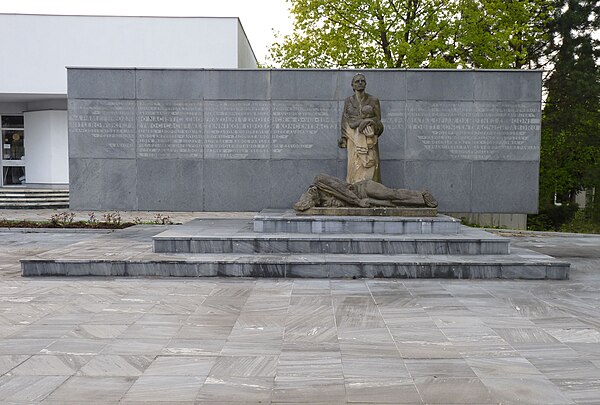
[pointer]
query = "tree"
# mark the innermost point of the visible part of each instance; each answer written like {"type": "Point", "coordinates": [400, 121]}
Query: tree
{"type": "Point", "coordinates": [570, 154]}
{"type": "Point", "coordinates": [413, 33]}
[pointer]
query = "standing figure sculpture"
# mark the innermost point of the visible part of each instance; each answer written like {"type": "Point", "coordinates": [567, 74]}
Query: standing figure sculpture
{"type": "Point", "coordinates": [361, 127]}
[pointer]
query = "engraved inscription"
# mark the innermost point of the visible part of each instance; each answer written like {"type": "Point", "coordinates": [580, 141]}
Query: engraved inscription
{"type": "Point", "coordinates": [101, 125]}
{"type": "Point", "coordinates": [236, 129]}
{"type": "Point", "coordinates": [475, 131]}
{"type": "Point", "coordinates": [298, 126]}
{"type": "Point", "coordinates": [392, 115]}
{"type": "Point", "coordinates": [169, 129]}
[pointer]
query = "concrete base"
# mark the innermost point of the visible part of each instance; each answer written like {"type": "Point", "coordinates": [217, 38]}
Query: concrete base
{"type": "Point", "coordinates": [287, 221]}
{"type": "Point", "coordinates": [508, 221]}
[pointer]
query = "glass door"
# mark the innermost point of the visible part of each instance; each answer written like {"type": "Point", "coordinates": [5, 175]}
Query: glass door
{"type": "Point", "coordinates": [13, 150]}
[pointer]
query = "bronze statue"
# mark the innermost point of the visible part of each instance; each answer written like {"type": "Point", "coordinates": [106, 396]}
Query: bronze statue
{"type": "Point", "coordinates": [329, 191]}
{"type": "Point", "coordinates": [361, 128]}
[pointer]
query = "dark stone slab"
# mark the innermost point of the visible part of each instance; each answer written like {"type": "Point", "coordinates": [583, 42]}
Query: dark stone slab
{"type": "Point", "coordinates": [169, 129]}
{"type": "Point", "coordinates": [103, 184]}
{"type": "Point", "coordinates": [304, 129]}
{"type": "Point", "coordinates": [102, 128]}
{"type": "Point", "coordinates": [303, 85]}
{"type": "Point", "coordinates": [101, 83]}
{"type": "Point", "coordinates": [162, 184]}
{"type": "Point", "coordinates": [449, 182]}
{"type": "Point", "coordinates": [508, 86]}
{"type": "Point", "coordinates": [500, 179]}
{"type": "Point", "coordinates": [246, 195]}
{"type": "Point", "coordinates": [237, 84]}
{"type": "Point", "coordinates": [454, 85]}
{"type": "Point", "coordinates": [169, 84]}
{"type": "Point", "coordinates": [237, 129]}
{"type": "Point", "coordinates": [288, 179]}
{"type": "Point", "coordinates": [392, 140]}
{"type": "Point", "coordinates": [392, 173]}
{"type": "Point", "coordinates": [472, 130]}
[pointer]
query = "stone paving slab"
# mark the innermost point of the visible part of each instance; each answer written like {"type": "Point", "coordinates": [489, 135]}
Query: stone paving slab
{"type": "Point", "coordinates": [526, 341]}
{"type": "Point", "coordinates": [304, 341]}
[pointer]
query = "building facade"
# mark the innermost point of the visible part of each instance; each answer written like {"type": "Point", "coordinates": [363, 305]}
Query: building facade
{"type": "Point", "coordinates": [33, 80]}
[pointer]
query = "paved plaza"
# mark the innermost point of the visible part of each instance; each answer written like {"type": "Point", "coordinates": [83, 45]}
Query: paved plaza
{"type": "Point", "coordinates": [231, 340]}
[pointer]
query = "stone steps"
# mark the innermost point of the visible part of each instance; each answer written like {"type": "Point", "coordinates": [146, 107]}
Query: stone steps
{"type": "Point", "coordinates": [236, 236]}
{"type": "Point", "coordinates": [136, 252]}
{"type": "Point", "coordinates": [33, 198]}
{"type": "Point", "coordinates": [521, 264]}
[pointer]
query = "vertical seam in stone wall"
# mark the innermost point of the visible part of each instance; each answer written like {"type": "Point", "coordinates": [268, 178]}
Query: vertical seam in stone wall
{"type": "Point", "coordinates": [473, 74]}
{"type": "Point", "coordinates": [203, 101]}
{"type": "Point", "coordinates": [270, 159]}
{"type": "Point", "coordinates": [135, 136]}
{"type": "Point", "coordinates": [471, 187]}
{"type": "Point", "coordinates": [405, 141]}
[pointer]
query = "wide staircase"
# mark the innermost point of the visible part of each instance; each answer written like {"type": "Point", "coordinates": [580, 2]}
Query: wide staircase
{"type": "Point", "coordinates": [33, 198]}
{"type": "Point", "coordinates": [279, 243]}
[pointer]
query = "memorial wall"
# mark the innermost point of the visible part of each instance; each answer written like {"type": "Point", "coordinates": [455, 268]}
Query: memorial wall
{"type": "Point", "coordinates": [244, 140]}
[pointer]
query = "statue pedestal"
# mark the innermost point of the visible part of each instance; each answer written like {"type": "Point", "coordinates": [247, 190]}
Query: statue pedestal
{"type": "Point", "coordinates": [288, 221]}
{"type": "Point", "coordinates": [370, 212]}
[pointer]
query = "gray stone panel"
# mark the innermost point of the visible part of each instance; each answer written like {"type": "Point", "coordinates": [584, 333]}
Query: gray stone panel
{"type": "Point", "coordinates": [448, 181]}
{"type": "Point", "coordinates": [383, 84]}
{"type": "Point", "coordinates": [236, 185]}
{"type": "Point", "coordinates": [472, 130]}
{"type": "Point", "coordinates": [392, 140]}
{"type": "Point", "coordinates": [505, 187]}
{"type": "Point", "coordinates": [439, 85]}
{"type": "Point", "coordinates": [102, 184]}
{"type": "Point", "coordinates": [290, 178]}
{"type": "Point", "coordinates": [237, 84]}
{"type": "Point", "coordinates": [170, 84]}
{"type": "Point", "coordinates": [392, 173]}
{"type": "Point", "coordinates": [342, 168]}
{"type": "Point", "coordinates": [303, 85]}
{"type": "Point", "coordinates": [101, 128]}
{"type": "Point", "coordinates": [101, 83]}
{"type": "Point", "coordinates": [508, 86]}
{"type": "Point", "coordinates": [170, 185]}
{"type": "Point", "coordinates": [444, 119]}
{"type": "Point", "coordinates": [304, 129]}
{"type": "Point", "coordinates": [169, 129]}
{"type": "Point", "coordinates": [236, 129]}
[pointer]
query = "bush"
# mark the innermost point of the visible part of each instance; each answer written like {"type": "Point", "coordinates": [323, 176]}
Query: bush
{"type": "Point", "coordinates": [582, 222]}
{"type": "Point", "coordinates": [552, 218]}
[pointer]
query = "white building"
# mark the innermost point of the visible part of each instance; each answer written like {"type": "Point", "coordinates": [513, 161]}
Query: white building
{"type": "Point", "coordinates": [33, 75]}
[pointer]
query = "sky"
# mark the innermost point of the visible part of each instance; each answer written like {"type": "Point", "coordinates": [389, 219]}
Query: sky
{"type": "Point", "coordinates": [260, 18]}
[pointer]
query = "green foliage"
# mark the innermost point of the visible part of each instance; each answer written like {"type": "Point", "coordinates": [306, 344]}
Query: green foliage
{"type": "Point", "coordinates": [582, 222]}
{"type": "Point", "coordinates": [414, 33]}
{"type": "Point", "coordinates": [570, 153]}
{"type": "Point", "coordinates": [552, 218]}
